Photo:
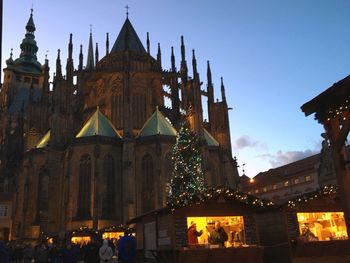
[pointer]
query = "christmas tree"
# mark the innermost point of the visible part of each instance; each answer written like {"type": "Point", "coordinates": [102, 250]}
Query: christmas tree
{"type": "Point", "coordinates": [187, 183]}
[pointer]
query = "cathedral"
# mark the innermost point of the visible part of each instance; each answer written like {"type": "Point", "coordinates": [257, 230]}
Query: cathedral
{"type": "Point", "coordinates": [92, 145]}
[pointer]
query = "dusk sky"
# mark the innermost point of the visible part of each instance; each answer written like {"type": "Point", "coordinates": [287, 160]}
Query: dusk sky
{"type": "Point", "coordinates": [274, 56]}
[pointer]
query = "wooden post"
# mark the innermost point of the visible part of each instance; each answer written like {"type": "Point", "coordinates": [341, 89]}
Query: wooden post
{"type": "Point", "coordinates": [337, 134]}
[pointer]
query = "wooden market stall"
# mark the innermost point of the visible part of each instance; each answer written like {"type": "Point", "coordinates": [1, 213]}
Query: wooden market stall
{"type": "Point", "coordinates": [162, 234]}
{"type": "Point", "coordinates": [316, 227]}
{"type": "Point", "coordinates": [82, 235]}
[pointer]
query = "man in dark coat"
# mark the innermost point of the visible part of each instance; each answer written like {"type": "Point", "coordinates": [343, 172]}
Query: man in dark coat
{"type": "Point", "coordinates": [218, 236]}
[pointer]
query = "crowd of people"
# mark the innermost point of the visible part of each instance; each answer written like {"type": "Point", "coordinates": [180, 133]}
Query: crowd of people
{"type": "Point", "coordinates": [121, 251]}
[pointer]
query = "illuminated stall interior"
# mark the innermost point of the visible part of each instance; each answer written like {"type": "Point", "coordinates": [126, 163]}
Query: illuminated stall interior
{"type": "Point", "coordinates": [81, 239]}
{"type": "Point", "coordinates": [233, 226]}
{"type": "Point", "coordinates": [112, 235]}
{"type": "Point", "coordinates": [322, 226]}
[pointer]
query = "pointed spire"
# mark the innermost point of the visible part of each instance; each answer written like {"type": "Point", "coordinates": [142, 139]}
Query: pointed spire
{"type": "Point", "coordinates": [148, 44]}
{"type": "Point", "coordinates": [173, 67]}
{"type": "Point", "coordinates": [159, 56]}
{"type": "Point", "coordinates": [58, 65]}
{"type": "Point", "coordinates": [223, 90]}
{"type": "Point", "coordinates": [107, 44]}
{"type": "Point", "coordinates": [90, 64]}
{"type": "Point", "coordinates": [70, 66]}
{"type": "Point", "coordinates": [210, 87]}
{"type": "Point", "coordinates": [30, 27]}
{"type": "Point", "coordinates": [70, 47]}
{"type": "Point", "coordinates": [194, 65]}
{"type": "Point", "coordinates": [28, 45]}
{"type": "Point", "coordinates": [96, 53]}
{"type": "Point", "coordinates": [184, 69]}
{"type": "Point", "coordinates": [81, 58]}
{"type": "Point", "coordinates": [128, 40]}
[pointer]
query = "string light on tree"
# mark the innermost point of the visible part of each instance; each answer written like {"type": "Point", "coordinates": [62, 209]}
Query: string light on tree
{"type": "Point", "coordinates": [187, 182]}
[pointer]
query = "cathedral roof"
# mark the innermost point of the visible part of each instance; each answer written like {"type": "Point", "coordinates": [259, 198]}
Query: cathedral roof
{"type": "Point", "coordinates": [44, 141]}
{"type": "Point", "coordinates": [99, 125]}
{"type": "Point", "coordinates": [210, 139]}
{"type": "Point", "coordinates": [128, 40]}
{"type": "Point", "coordinates": [157, 125]}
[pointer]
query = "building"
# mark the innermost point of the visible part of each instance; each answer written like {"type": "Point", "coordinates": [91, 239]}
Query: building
{"type": "Point", "coordinates": [95, 149]}
{"type": "Point", "coordinates": [288, 181]}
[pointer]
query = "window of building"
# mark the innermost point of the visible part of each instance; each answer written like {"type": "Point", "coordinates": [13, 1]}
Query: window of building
{"type": "Point", "coordinates": [265, 189]}
{"type": "Point", "coordinates": [286, 183]}
{"type": "Point", "coordinates": [308, 178]}
{"type": "Point", "coordinates": [26, 80]}
{"type": "Point", "coordinates": [322, 226]}
{"type": "Point", "coordinates": [3, 210]}
{"type": "Point", "coordinates": [249, 193]}
{"type": "Point", "coordinates": [84, 192]}
{"type": "Point", "coordinates": [232, 225]}
{"type": "Point", "coordinates": [35, 81]}
{"type": "Point", "coordinates": [274, 187]}
{"type": "Point", "coordinates": [109, 197]}
{"type": "Point", "coordinates": [148, 198]}
{"type": "Point", "coordinates": [296, 181]}
{"type": "Point", "coordinates": [257, 191]}
{"type": "Point", "coordinates": [18, 78]}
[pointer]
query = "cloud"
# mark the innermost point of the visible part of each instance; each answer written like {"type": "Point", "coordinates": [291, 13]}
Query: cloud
{"type": "Point", "coordinates": [282, 158]}
{"type": "Point", "coordinates": [246, 142]}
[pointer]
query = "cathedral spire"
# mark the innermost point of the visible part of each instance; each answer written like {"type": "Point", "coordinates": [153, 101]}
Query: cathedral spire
{"type": "Point", "coordinates": [81, 58]}
{"type": "Point", "coordinates": [210, 87]}
{"type": "Point", "coordinates": [194, 65]}
{"type": "Point", "coordinates": [70, 66]}
{"type": "Point", "coordinates": [159, 56]}
{"type": "Point", "coordinates": [90, 64]}
{"type": "Point", "coordinates": [184, 69]}
{"type": "Point", "coordinates": [128, 40]}
{"type": "Point", "coordinates": [223, 91]}
{"type": "Point", "coordinates": [148, 44]}
{"type": "Point", "coordinates": [58, 65]}
{"type": "Point", "coordinates": [28, 46]}
{"type": "Point", "coordinates": [107, 44]}
{"type": "Point", "coordinates": [173, 67]}
{"type": "Point", "coordinates": [96, 53]}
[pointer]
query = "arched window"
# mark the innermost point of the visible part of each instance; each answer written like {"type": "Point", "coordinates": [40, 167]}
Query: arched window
{"type": "Point", "coordinates": [109, 179]}
{"type": "Point", "coordinates": [148, 198]}
{"type": "Point", "coordinates": [84, 192]}
{"type": "Point", "coordinates": [43, 196]}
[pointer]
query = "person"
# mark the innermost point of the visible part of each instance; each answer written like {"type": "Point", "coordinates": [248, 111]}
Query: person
{"type": "Point", "coordinates": [193, 234]}
{"type": "Point", "coordinates": [127, 248]}
{"type": "Point", "coordinates": [218, 236]}
{"type": "Point", "coordinates": [307, 235]}
{"type": "Point", "coordinates": [4, 255]}
{"type": "Point", "coordinates": [41, 255]}
{"type": "Point", "coordinates": [105, 252]}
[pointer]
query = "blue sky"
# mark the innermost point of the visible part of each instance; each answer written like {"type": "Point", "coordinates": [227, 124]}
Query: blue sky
{"type": "Point", "coordinates": [274, 56]}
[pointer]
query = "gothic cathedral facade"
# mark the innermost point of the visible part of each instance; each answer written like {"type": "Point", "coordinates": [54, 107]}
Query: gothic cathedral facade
{"type": "Point", "coordinates": [94, 149]}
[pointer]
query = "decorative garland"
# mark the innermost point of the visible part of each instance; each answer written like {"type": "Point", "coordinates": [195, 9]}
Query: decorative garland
{"type": "Point", "coordinates": [324, 191]}
{"type": "Point", "coordinates": [227, 193]}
